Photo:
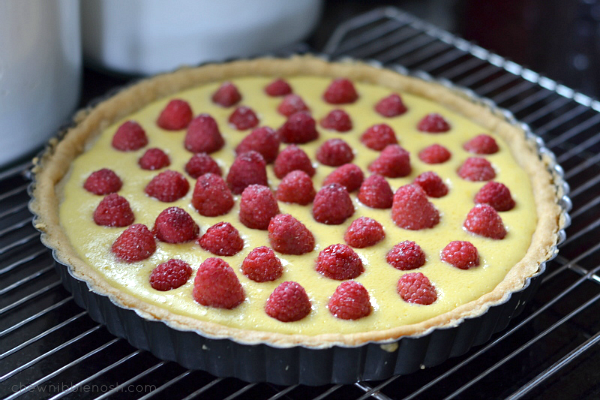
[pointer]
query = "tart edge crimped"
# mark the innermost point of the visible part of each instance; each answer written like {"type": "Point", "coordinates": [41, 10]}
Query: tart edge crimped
{"type": "Point", "coordinates": [54, 165]}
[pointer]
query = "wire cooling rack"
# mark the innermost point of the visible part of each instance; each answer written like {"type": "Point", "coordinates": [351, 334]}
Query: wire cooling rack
{"type": "Point", "coordinates": [50, 348]}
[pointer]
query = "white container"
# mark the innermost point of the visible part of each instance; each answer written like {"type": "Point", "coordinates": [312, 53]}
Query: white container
{"type": "Point", "coordinates": [40, 72]}
{"type": "Point", "coordinates": [151, 36]}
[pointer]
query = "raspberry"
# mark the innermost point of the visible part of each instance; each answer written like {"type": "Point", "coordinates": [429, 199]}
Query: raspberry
{"type": "Point", "coordinates": [375, 192]}
{"type": "Point", "coordinates": [296, 187]}
{"type": "Point", "coordinates": [263, 140]}
{"type": "Point", "coordinates": [350, 301]}
{"type": "Point", "coordinates": [227, 95]}
{"type": "Point", "coordinates": [248, 169]}
{"type": "Point", "coordinates": [261, 265]}
{"type": "Point", "coordinates": [332, 205]}
{"type": "Point", "coordinates": [411, 209]}
{"type": "Point", "coordinates": [364, 232]}
{"type": "Point", "coordinates": [113, 210]}
{"type": "Point", "coordinates": [222, 239]}
{"type": "Point", "coordinates": [432, 184]}
{"type": "Point", "coordinates": [416, 288]}
{"type": "Point", "coordinates": [257, 207]}
{"type": "Point", "coordinates": [460, 254]}
{"type": "Point", "coordinates": [175, 116]}
{"type": "Point", "coordinates": [339, 262]}
{"type": "Point", "coordinates": [348, 175]}
{"type": "Point", "coordinates": [154, 159]}
{"type": "Point", "coordinates": [201, 164]}
{"type": "Point", "coordinates": [130, 136]}
{"type": "Point", "coordinates": [481, 144]}
{"type": "Point", "coordinates": [168, 186]}
{"type": "Point", "coordinates": [175, 225]}
{"type": "Point", "coordinates": [393, 162]}
{"type": "Point", "coordinates": [136, 243]}
{"type": "Point", "coordinates": [203, 135]}
{"type": "Point", "coordinates": [101, 182]}
{"type": "Point", "coordinates": [291, 104]}
{"type": "Point", "coordinates": [483, 220]}
{"type": "Point", "coordinates": [377, 137]}
{"type": "Point", "coordinates": [243, 118]}
{"type": "Point", "coordinates": [212, 196]}
{"type": "Point", "coordinates": [170, 275]}
{"type": "Point", "coordinates": [337, 120]}
{"type": "Point", "coordinates": [278, 87]}
{"type": "Point", "coordinates": [391, 106]}
{"type": "Point", "coordinates": [299, 128]}
{"type": "Point", "coordinates": [405, 256]}
{"type": "Point", "coordinates": [433, 123]}
{"type": "Point", "coordinates": [287, 235]}
{"type": "Point", "coordinates": [217, 285]}
{"type": "Point", "coordinates": [340, 91]}
{"type": "Point", "coordinates": [292, 158]}
{"type": "Point", "coordinates": [496, 195]}
{"type": "Point", "coordinates": [335, 152]}
{"type": "Point", "coordinates": [476, 169]}
{"type": "Point", "coordinates": [434, 154]}
{"type": "Point", "coordinates": [288, 302]}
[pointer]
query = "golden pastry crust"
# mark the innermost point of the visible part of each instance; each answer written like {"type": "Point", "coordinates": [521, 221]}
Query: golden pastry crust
{"type": "Point", "coordinates": [51, 169]}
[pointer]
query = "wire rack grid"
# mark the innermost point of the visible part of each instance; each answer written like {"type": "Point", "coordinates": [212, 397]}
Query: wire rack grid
{"type": "Point", "coordinates": [50, 348]}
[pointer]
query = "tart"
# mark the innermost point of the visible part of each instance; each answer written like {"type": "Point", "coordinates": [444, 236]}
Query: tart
{"type": "Point", "coordinates": [380, 212]}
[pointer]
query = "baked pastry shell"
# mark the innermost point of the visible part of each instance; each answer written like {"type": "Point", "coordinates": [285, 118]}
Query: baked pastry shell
{"type": "Point", "coordinates": [290, 359]}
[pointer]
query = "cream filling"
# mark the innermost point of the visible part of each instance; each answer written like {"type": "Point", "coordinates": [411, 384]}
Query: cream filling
{"type": "Point", "coordinates": [454, 287]}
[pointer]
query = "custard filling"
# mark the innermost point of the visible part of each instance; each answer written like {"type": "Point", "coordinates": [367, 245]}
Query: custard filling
{"type": "Point", "coordinates": [454, 287]}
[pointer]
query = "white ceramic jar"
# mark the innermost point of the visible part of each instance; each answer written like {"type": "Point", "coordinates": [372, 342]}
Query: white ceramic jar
{"type": "Point", "coordinates": [40, 72]}
{"type": "Point", "coordinates": [151, 36]}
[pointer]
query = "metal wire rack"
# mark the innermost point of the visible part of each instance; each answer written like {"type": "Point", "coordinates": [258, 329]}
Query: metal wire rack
{"type": "Point", "coordinates": [50, 348]}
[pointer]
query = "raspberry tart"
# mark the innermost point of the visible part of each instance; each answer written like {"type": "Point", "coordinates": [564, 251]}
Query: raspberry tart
{"type": "Point", "coordinates": [340, 214]}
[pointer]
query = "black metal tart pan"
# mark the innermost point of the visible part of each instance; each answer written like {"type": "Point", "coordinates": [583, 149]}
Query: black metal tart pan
{"type": "Point", "coordinates": [302, 365]}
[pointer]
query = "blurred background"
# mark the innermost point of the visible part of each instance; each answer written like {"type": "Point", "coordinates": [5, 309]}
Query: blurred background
{"type": "Point", "coordinates": [553, 37]}
{"type": "Point", "coordinates": [119, 41]}
{"type": "Point", "coordinates": [556, 38]}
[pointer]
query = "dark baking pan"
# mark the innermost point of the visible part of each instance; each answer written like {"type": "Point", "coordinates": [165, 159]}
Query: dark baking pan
{"type": "Point", "coordinates": [337, 364]}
